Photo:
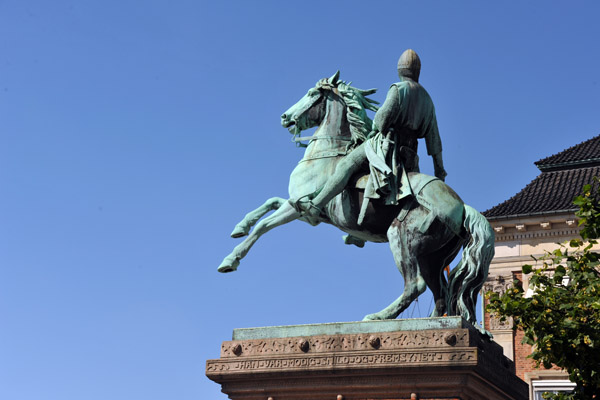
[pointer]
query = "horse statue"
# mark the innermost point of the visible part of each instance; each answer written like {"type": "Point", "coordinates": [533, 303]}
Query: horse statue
{"type": "Point", "coordinates": [425, 230]}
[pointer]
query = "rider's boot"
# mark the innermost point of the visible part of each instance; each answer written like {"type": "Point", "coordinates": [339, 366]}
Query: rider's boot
{"type": "Point", "coordinates": [338, 181]}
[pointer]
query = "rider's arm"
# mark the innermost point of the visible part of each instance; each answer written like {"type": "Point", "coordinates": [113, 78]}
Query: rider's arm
{"type": "Point", "coordinates": [388, 113]}
{"type": "Point", "coordinates": [434, 148]}
{"type": "Point", "coordinates": [438, 166]}
{"type": "Point", "coordinates": [432, 136]}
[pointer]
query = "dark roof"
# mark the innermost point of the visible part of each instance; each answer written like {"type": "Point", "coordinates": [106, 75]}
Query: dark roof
{"type": "Point", "coordinates": [563, 176]}
{"type": "Point", "coordinates": [550, 192]}
{"type": "Point", "coordinates": [583, 154]}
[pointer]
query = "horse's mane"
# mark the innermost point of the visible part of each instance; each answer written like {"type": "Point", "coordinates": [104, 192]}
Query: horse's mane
{"type": "Point", "coordinates": [357, 103]}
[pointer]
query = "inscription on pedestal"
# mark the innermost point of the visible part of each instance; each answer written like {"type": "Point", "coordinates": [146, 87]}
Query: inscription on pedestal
{"type": "Point", "coordinates": [467, 356]}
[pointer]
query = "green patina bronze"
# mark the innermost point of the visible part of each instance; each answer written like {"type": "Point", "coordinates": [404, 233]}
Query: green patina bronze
{"type": "Point", "coordinates": [344, 328]}
{"type": "Point", "coordinates": [365, 181]}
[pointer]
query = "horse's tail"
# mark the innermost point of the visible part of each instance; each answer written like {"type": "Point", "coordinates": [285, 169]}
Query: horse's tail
{"type": "Point", "coordinates": [467, 278]}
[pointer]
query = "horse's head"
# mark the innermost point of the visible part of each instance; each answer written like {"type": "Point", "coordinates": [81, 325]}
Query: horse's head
{"type": "Point", "coordinates": [311, 109]}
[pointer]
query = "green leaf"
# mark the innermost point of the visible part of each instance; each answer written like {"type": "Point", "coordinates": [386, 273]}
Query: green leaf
{"type": "Point", "coordinates": [576, 243]}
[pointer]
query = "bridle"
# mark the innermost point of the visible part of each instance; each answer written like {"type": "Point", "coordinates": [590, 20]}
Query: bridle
{"type": "Point", "coordinates": [297, 139]}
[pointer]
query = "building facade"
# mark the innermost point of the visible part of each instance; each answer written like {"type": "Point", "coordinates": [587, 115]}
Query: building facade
{"type": "Point", "coordinates": [531, 223]}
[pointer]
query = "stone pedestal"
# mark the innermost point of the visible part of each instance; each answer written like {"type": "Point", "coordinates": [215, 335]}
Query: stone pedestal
{"type": "Point", "coordinates": [429, 358]}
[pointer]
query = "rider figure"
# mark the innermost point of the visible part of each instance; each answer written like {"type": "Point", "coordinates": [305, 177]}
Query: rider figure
{"type": "Point", "coordinates": [406, 115]}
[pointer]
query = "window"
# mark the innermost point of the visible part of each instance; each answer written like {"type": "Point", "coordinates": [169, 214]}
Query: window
{"type": "Point", "coordinates": [554, 386]}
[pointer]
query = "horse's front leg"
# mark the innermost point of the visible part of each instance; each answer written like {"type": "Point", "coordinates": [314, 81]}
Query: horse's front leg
{"type": "Point", "coordinates": [243, 227]}
{"type": "Point", "coordinates": [286, 213]}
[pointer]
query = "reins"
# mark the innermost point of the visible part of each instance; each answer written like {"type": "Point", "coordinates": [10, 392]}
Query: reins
{"type": "Point", "coordinates": [297, 139]}
{"type": "Point", "coordinates": [325, 154]}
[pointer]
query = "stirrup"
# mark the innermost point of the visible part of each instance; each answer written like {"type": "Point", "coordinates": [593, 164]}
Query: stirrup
{"type": "Point", "coordinates": [311, 213]}
{"type": "Point", "coordinates": [307, 210]}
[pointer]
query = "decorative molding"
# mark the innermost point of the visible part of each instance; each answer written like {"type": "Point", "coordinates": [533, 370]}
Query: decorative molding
{"type": "Point", "coordinates": [499, 284]}
{"type": "Point", "coordinates": [567, 233]}
{"type": "Point", "coordinates": [546, 225]}
{"type": "Point", "coordinates": [535, 227]}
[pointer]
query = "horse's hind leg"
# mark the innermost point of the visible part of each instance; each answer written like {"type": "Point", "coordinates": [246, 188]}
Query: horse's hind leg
{"type": "Point", "coordinates": [286, 213]}
{"type": "Point", "coordinates": [432, 265]}
{"type": "Point", "coordinates": [431, 270]}
{"type": "Point", "coordinates": [402, 242]}
{"type": "Point", "coordinates": [243, 227]}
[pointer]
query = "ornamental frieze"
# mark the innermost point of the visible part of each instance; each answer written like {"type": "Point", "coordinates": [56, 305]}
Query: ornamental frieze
{"type": "Point", "coordinates": [341, 343]}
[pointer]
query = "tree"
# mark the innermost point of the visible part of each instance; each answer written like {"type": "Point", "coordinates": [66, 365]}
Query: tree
{"type": "Point", "coordinates": [561, 319]}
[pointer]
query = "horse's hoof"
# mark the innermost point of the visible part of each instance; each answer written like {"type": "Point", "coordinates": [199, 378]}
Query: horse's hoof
{"type": "Point", "coordinates": [349, 239]}
{"type": "Point", "coordinates": [372, 317]}
{"type": "Point", "coordinates": [239, 232]}
{"type": "Point", "coordinates": [229, 264]}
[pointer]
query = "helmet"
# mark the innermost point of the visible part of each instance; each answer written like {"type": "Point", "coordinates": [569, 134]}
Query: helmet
{"type": "Point", "coordinates": [409, 65]}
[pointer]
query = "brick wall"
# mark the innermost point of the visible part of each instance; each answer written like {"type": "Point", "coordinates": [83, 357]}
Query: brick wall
{"type": "Point", "coordinates": [522, 351]}
{"type": "Point", "coordinates": [523, 364]}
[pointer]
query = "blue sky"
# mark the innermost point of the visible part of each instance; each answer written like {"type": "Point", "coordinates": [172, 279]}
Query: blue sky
{"type": "Point", "coordinates": [134, 136]}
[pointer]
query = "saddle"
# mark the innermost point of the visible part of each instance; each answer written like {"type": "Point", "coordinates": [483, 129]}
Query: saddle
{"type": "Point", "coordinates": [410, 162]}
{"type": "Point", "coordinates": [405, 163]}
{"type": "Point", "coordinates": [412, 182]}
